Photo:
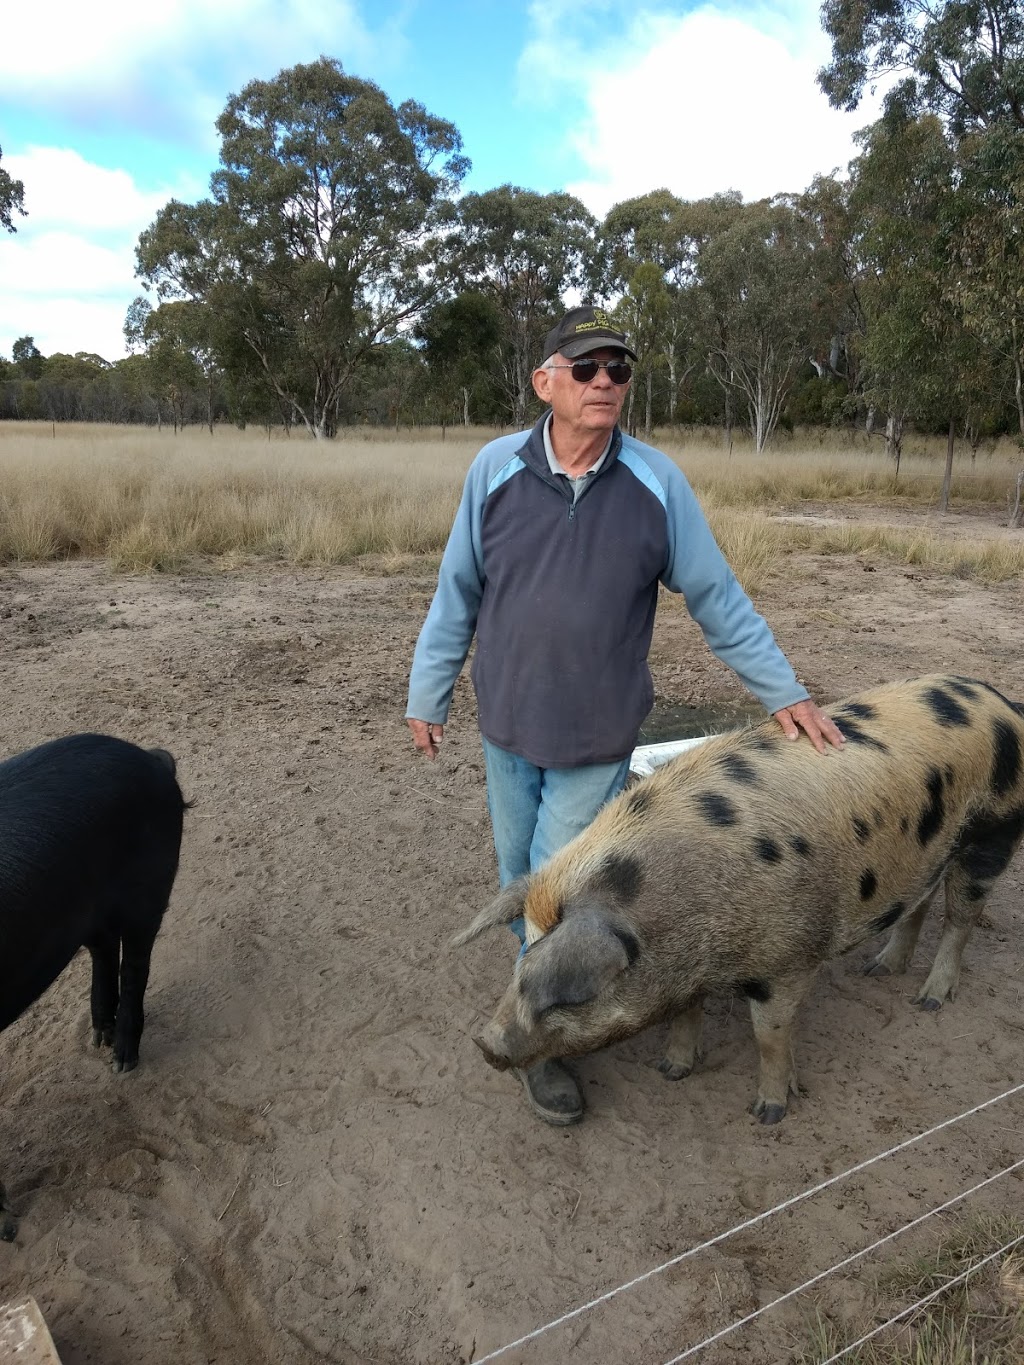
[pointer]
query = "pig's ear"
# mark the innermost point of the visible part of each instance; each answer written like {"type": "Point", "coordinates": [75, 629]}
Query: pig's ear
{"type": "Point", "coordinates": [575, 962]}
{"type": "Point", "coordinates": [506, 906]}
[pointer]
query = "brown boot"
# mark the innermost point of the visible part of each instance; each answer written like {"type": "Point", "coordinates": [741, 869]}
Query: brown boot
{"type": "Point", "coordinates": [553, 1092]}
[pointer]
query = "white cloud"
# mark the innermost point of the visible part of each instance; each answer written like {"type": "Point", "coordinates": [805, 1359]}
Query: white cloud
{"type": "Point", "coordinates": [68, 276]}
{"type": "Point", "coordinates": [720, 98]}
{"type": "Point", "coordinates": [62, 188]}
{"type": "Point", "coordinates": [67, 325]}
{"type": "Point", "coordinates": [176, 59]}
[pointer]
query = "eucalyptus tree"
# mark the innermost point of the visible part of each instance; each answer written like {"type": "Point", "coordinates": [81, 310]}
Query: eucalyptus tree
{"type": "Point", "coordinates": [651, 230]}
{"type": "Point", "coordinates": [756, 295]}
{"type": "Point", "coordinates": [327, 229]}
{"type": "Point", "coordinates": [960, 59]}
{"type": "Point", "coordinates": [461, 340]}
{"type": "Point", "coordinates": [922, 359]}
{"type": "Point", "coordinates": [12, 198]}
{"type": "Point", "coordinates": [525, 251]}
{"type": "Point", "coordinates": [963, 61]}
{"type": "Point", "coordinates": [644, 311]}
{"type": "Point", "coordinates": [839, 268]}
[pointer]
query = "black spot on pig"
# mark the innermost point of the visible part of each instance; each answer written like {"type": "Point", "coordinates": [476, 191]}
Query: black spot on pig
{"type": "Point", "coordinates": [622, 875]}
{"type": "Point", "coordinates": [987, 844]}
{"type": "Point", "coordinates": [740, 769]}
{"type": "Point", "coordinates": [856, 735]}
{"type": "Point", "coordinates": [932, 815]}
{"type": "Point", "coordinates": [946, 709]}
{"type": "Point", "coordinates": [767, 849]}
{"type": "Point", "coordinates": [716, 809]}
{"type": "Point", "coordinates": [963, 688]}
{"type": "Point", "coordinates": [1006, 764]}
{"type": "Point", "coordinates": [861, 709]}
{"type": "Point", "coordinates": [890, 917]}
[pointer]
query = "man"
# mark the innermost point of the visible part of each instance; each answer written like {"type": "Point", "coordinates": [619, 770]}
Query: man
{"type": "Point", "coordinates": [559, 544]}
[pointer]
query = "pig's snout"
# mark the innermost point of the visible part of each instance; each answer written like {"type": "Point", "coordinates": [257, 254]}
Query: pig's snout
{"type": "Point", "coordinates": [502, 1047]}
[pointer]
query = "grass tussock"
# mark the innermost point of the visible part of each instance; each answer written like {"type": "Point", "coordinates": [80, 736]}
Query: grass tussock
{"type": "Point", "coordinates": [150, 500]}
{"type": "Point", "coordinates": [977, 1322]}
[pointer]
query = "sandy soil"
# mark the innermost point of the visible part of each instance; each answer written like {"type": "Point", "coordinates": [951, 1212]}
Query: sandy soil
{"type": "Point", "coordinates": [312, 1162]}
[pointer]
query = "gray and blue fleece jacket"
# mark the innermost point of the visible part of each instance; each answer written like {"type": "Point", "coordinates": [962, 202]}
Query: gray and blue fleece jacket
{"type": "Point", "coordinates": [562, 597]}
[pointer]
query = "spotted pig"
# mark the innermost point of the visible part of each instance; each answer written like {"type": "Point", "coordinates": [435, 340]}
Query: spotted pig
{"type": "Point", "coordinates": [747, 862]}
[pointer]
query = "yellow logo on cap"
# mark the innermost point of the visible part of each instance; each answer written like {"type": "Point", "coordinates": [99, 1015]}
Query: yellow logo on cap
{"type": "Point", "coordinates": [601, 319]}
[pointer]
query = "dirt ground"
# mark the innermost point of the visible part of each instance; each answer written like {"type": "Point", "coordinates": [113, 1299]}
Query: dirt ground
{"type": "Point", "coordinates": [312, 1162]}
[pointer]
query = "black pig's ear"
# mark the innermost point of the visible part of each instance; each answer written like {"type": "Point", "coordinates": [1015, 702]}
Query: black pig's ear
{"type": "Point", "coordinates": [506, 906]}
{"type": "Point", "coordinates": [575, 961]}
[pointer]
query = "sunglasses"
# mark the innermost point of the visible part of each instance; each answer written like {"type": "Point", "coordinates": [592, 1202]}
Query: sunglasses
{"type": "Point", "coordinates": [585, 371]}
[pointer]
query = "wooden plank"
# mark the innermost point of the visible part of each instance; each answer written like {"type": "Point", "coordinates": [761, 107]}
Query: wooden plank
{"type": "Point", "coordinates": [24, 1337]}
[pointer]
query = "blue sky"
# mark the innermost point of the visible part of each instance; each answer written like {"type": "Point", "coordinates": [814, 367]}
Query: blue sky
{"type": "Point", "coordinates": [107, 111]}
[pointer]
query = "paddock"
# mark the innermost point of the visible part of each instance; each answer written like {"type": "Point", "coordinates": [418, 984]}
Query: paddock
{"type": "Point", "coordinates": [312, 1162]}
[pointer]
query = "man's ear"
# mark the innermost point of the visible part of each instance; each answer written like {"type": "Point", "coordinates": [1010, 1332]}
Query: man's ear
{"type": "Point", "coordinates": [575, 961]}
{"type": "Point", "coordinates": [542, 384]}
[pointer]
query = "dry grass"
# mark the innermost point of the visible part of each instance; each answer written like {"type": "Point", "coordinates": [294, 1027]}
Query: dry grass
{"type": "Point", "coordinates": [979, 1322]}
{"type": "Point", "coordinates": [153, 500]}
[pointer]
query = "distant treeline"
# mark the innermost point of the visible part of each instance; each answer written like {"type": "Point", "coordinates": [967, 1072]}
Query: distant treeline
{"type": "Point", "coordinates": [337, 275]}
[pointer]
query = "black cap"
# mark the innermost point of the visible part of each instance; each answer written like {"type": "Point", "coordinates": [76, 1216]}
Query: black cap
{"type": "Point", "coordinates": [582, 330]}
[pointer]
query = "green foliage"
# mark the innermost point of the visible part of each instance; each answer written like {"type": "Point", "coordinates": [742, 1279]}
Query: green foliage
{"type": "Point", "coordinates": [324, 233]}
{"type": "Point", "coordinates": [27, 358]}
{"type": "Point", "coordinates": [461, 340]}
{"type": "Point", "coordinates": [757, 296]}
{"type": "Point", "coordinates": [961, 59]}
{"type": "Point", "coordinates": [524, 251]}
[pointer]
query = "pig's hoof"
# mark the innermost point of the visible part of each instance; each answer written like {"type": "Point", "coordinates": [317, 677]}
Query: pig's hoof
{"type": "Point", "coordinates": [102, 1037]}
{"type": "Point", "coordinates": [122, 1064]}
{"type": "Point", "coordinates": [553, 1093]}
{"type": "Point", "coordinates": [876, 968]}
{"type": "Point", "coordinates": [768, 1113]}
{"type": "Point", "coordinates": [673, 1071]}
{"type": "Point", "coordinates": [929, 1003]}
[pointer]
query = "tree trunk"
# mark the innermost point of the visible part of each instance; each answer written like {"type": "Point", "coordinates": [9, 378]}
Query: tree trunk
{"type": "Point", "coordinates": [894, 439]}
{"type": "Point", "coordinates": [649, 405]}
{"type": "Point", "coordinates": [465, 407]}
{"type": "Point", "coordinates": [948, 474]}
{"type": "Point", "coordinates": [1018, 382]}
{"type": "Point", "coordinates": [672, 381]}
{"type": "Point", "coordinates": [1017, 515]}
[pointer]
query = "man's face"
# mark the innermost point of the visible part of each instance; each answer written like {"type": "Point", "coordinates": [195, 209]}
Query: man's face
{"type": "Point", "coordinates": [583, 408]}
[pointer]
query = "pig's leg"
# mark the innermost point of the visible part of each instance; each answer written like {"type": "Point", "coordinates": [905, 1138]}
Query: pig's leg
{"type": "Point", "coordinates": [985, 847]}
{"type": "Point", "coordinates": [773, 1029]}
{"type": "Point", "coordinates": [682, 1051]}
{"type": "Point", "coordinates": [964, 901]}
{"type": "Point", "coordinates": [104, 948]}
{"type": "Point", "coordinates": [895, 956]}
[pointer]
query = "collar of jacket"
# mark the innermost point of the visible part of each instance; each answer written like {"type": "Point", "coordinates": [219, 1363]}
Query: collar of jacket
{"type": "Point", "coordinates": [535, 457]}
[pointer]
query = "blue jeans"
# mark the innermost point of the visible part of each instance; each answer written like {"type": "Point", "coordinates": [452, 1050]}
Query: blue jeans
{"type": "Point", "coordinates": [534, 811]}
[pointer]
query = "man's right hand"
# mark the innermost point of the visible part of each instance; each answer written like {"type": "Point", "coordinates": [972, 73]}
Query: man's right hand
{"type": "Point", "coordinates": [426, 736]}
